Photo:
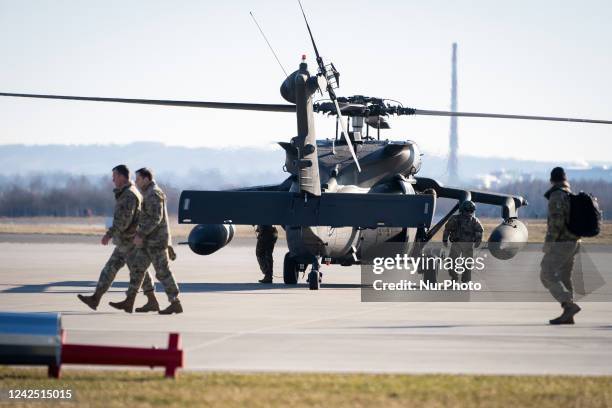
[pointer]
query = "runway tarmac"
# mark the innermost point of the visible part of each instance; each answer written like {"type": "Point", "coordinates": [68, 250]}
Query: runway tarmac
{"type": "Point", "coordinates": [232, 323]}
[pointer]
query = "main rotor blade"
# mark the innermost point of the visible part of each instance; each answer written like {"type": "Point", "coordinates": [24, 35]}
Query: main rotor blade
{"type": "Point", "coordinates": [346, 135]}
{"type": "Point", "coordinates": [189, 104]}
{"type": "Point", "coordinates": [502, 116]}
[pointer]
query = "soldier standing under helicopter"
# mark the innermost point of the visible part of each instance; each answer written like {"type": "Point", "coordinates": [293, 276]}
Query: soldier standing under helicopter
{"type": "Point", "coordinates": [266, 239]}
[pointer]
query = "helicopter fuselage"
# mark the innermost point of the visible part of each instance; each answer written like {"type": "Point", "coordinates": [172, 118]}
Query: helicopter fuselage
{"type": "Point", "coordinates": [386, 167]}
{"type": "Point", "coordinates": [345, 197]}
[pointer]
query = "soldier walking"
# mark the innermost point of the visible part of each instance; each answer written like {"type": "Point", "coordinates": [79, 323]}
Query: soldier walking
{"type": "Point", "coordinates": [128, 203]}
{"type": "Point", "coordinates": [153, 243]}
{"type": "Point", "coordinates": [560, 248]}
{"type": "Point", "coordinates": [464, 231]}
{"type": "Point", "coordinates": [267, 235]}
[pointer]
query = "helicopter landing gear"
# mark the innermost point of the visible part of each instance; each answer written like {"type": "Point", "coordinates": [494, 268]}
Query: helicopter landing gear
{"type": "Point", "coordinates": [291, 270]}
{"type": "Point", "coordinates": [315, 276]}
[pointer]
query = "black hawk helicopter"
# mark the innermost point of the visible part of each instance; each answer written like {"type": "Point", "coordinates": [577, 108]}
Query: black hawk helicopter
{"type": "Point", "coordinates": [344, 196]}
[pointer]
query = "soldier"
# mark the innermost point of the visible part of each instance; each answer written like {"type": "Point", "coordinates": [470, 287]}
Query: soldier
{"type": "Point", "coordinates": [266, 239]}
{"type": "Point", "coordinates": [153, 242]}
{"type": "Point", "coordinates": [560, 248]}
{"type": "Point", "coordinates": [127, 209]}
{"type": "Point", "coordinates": [465, 233]}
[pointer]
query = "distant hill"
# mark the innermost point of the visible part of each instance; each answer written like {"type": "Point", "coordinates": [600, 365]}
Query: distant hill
{"type": "Point", "coordinates": [185, 166]}
{"type": "Point", "coordinates": [198, 166]}
{"type": "Point", "coordinates": [74, 180]}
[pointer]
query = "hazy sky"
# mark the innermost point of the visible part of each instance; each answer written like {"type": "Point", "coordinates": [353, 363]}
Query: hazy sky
{"type": "Point", "coordinates": [525, 57]}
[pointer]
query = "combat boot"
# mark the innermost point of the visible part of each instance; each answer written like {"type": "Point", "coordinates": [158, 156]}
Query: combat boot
{"type": "Point", "coordinates": [266, 279]}
{"type": "Point", "coordinates": [151, 305]}
{"type": "Point", "coordinates": [567, 317]}
{"type": "Point", "coordinates": [175, 307]}
{"type": "Point", "coordinates": [126, 305]}
{"type": "Point", "coordinates": [92, 301]}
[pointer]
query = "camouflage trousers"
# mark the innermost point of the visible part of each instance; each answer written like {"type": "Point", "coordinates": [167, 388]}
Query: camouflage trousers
{"type": "Point", "coordinates": [461, 250]}
{"type": "Point", "coordinates": [557, 266]}
{"type": "Point", "coordinates": [143, 258]}
{"type": "Point", "coordinates": [263, 251]}
{"type": "Point", "coordinates": [122, 255]}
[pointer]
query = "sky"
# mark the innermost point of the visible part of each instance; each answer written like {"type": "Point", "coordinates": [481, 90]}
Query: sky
{"type": "Point", "coordinates": [520, 57]}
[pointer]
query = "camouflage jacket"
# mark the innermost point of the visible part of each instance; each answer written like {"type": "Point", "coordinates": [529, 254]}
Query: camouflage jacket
{"type": "Point", "coordinates": [463, 228]}
{"type": "Point", "coordinates": [558, 213]}
{"type": "Point", "coordinates": [153, 224]}
{"type": "Point", "coordinates": [125, 219]}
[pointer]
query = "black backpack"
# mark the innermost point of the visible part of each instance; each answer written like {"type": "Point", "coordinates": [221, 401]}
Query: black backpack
{"type": "Point", "coordinates": [585, 215]}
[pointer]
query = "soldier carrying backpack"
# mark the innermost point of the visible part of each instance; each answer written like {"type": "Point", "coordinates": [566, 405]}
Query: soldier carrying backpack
{"type": "Point", "coordinates": [569, 218]}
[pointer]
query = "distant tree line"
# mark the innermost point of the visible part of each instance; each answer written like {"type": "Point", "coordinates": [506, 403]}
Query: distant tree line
{"type": "Point", "coordinates": [63, 195]}
{"type": "Point", "coordinates": [533, 191]}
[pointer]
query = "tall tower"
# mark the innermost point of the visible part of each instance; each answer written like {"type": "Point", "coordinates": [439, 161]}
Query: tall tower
{"type": "Point", "coordinates": [453, 164]}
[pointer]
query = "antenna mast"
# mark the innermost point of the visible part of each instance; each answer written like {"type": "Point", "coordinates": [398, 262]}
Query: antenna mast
{"type": "Point", "coordinates": [268, 42]}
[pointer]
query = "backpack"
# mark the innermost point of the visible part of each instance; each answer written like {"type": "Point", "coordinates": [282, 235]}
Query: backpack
{"type": "Point", "coordinates": [585, 215]}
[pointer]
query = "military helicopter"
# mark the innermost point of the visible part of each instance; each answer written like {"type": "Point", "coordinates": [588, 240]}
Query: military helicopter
{"type": "Point", "coordinates": [344, 195]}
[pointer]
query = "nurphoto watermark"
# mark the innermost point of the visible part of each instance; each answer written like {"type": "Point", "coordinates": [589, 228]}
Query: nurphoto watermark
{"type": "Point", "coordinates": [397, 272]}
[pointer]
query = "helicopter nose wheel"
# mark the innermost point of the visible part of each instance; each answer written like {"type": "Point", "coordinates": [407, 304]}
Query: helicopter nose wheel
{"type": "Point", "coordinates": [315, 276]}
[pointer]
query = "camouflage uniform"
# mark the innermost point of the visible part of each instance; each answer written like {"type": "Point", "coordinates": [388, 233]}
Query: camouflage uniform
{"type": "Point", "coordinates": [560, 245]}
{"type": "Point", "coordinates": [464, 230]}
{"type": "Point", "coordinates": [154, 229]}
{"type": "Point", "coordinates": [127, 210]}
{"type": "Point", "coordinates": [266, 239]}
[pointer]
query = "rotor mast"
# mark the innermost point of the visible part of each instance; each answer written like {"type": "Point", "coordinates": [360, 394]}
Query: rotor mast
{"type": "Point", "coordinates": [332, 80]}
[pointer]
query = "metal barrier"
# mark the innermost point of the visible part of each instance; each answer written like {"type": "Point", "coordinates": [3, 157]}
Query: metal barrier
{"type": "Point", "coordinates": [30, 338]}
{"type": "Point", "coordinates": [38, 339]}
{"type": "Point", "coordinates": [170, 358]}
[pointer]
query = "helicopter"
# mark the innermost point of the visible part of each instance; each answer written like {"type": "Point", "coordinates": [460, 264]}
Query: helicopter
{"type": "Point", "coordinates": [344, 196]}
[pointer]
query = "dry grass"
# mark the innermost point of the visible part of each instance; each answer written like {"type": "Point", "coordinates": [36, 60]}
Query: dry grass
{"type": "Point", "coordinates": [537, 231]}
{"type": "Point", "coordinates": [87, 226]}
{"type": "Point", "coordinates": [52, 229]}
{"type": "Point", "coordinates": [95, 226]}
{"type": "Point", "coordinates": [150, 389]}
